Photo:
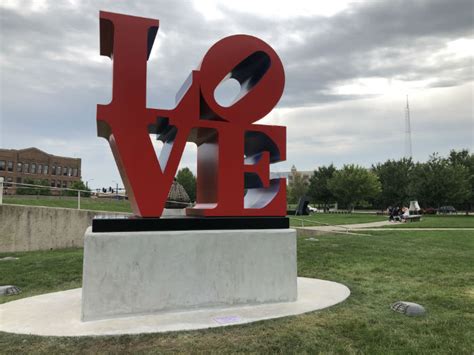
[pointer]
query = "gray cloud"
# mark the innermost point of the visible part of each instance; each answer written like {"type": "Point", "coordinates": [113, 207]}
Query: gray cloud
{"type": "Point", "coordinates": [52, 76]}
{"type": "Point", "coordinates": [392, 39]}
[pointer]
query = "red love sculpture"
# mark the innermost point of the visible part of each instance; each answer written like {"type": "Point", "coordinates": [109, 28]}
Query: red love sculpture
{"type": "Point", "coordinates": [233, 153]}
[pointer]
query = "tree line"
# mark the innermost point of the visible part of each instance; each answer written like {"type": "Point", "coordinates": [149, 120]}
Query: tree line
{"type": "Point", "coordinates": [440, 181]}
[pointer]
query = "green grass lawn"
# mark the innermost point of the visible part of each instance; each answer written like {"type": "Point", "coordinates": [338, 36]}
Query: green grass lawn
{"type": "Point", "coordinates": [433, 268]}
{"type": "Point", "coordinates": [318, 219]}
{"type": "Point", "coordinates": [438, 221]}
{"type": "Point", "coordinates": [86, 203]}
{"type": "Point", "coordinates": [42, 272]}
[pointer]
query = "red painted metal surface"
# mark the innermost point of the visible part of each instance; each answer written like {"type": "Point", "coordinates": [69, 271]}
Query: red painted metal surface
{"type": "Point", "coordinates": [233, 152]}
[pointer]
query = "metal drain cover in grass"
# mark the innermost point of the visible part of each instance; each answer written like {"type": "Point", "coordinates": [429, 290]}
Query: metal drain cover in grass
{"type": "Point", "coordinates": [9, 290]}
{"type": "Point", "coordinates": [408, 308]}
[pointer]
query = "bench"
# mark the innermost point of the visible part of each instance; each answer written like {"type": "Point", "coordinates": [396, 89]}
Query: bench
{"type": "Point", "coordinates": [413, 218]}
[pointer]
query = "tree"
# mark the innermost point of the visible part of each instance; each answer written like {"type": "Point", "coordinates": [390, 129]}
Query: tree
{"type": "Point", "coordinates": [297, 188]}
{"type": "Point", "coordinates": [187, 179]}
{"type": "Point", "coordinates": [394, 177]}
{"type": "Point", "coordinates": [438, 182]}
{"type": "Point", "coordinates": [318, 189]}
{"type": "Point", "coordinates": [30, 190]}
{"type": "Point", "coordinates": [354, 184]}
{"type": "Point", "coordinates": [463, 158]}
{"type": "Point", "coordinates": [78, 185]}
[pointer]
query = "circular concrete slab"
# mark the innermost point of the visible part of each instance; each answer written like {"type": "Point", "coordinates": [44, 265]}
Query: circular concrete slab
{"type": "Point", "coordinates": [58, 314]}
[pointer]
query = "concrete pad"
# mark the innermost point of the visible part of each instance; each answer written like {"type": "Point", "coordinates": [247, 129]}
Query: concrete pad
{"type": "Point", "coordinates": [59, 313]}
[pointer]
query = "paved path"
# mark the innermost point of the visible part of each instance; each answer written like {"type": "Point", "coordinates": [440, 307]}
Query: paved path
{"type": "Point", "coordinates": [374, 226]}
{"type": "Point", "coordinates": [344, 227]}
{"type": "Point", "coordinates": [415, 229]}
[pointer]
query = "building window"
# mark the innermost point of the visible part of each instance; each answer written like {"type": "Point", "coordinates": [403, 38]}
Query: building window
{"type": "Point", "coordinates": [64, 184]}
{"type": "Point", "coordinates": [10, 166]}
{"type": "Point", "coordinates": [45, 170]}
{"type": "Point", "coordinates": [33, 168]}
{"type": "Point", "coordinates": [65, 171]}
{"type": "Point", "coordinates": [9, 181]}
{"type": "Point", "coordinates": [53, 183]}
{"type": "Point", "coordinates": [58, 183]}
{"type": "Point", "coordinates": [2, 165]}
{"type": "Point", "coordinates": [74, 172]}
{"type": "Point", "coordinates": [18, 180]}
{"type": "Point", "coordinates": [40, 169]}
{"type": "Point", "coordinates": [69, 172]}
{"type": "Point", "coordinates": [18, 167]}
{"type": "Point", "coordinates": [58, 170]}
{"type": "Point", "coordinates": [25, 167]}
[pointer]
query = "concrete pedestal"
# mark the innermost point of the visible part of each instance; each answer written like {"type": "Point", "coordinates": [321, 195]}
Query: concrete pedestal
{"type": "Point", "coordinates": [137, 273]}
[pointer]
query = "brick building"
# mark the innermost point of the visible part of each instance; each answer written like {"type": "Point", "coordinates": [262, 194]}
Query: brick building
{"type": "Point", "coordinates": [32, 163]}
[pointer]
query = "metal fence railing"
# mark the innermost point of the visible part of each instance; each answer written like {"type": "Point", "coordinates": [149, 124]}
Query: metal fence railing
{"type": "Point", "coordinates": [33, 190]}
{"type": "Point", "coordinates": [40, 189]}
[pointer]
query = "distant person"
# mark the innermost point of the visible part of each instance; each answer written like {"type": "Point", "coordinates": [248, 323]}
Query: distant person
{"type": "Point", "coordinates": [396, 214]}
{"type": "Point", "coordinates": [390, 213]}
{"type": "Point", "coordinates": [405, 214]}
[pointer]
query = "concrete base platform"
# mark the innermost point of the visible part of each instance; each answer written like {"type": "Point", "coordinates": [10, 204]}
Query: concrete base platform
{"type": "Point", "coordinates": [59, 313]}
{"type": "Point", "coordinates": [136, 273]}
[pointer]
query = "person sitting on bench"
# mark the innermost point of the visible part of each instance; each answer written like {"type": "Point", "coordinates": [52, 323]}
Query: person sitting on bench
{"type": "Point", "coordinates": [395, 214]}
{"type": "Point", "coordinates": [405, 215]}
{"type": "Point", "coordinates": [390, 210]}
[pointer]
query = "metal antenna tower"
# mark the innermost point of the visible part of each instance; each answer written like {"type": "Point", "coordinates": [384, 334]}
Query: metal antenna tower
{"type": "Point", "coordinates": [408, 150]}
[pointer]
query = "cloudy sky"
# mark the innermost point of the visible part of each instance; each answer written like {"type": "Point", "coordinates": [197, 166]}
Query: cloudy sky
{"type": "Point", "coordinates": [349, 66]}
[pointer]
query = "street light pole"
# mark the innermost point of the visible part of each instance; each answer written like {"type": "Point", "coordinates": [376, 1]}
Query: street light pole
{"type": "Point", "coordinates": [1, 190]}
{"type": "Point", "coordinates": [116, 189]}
